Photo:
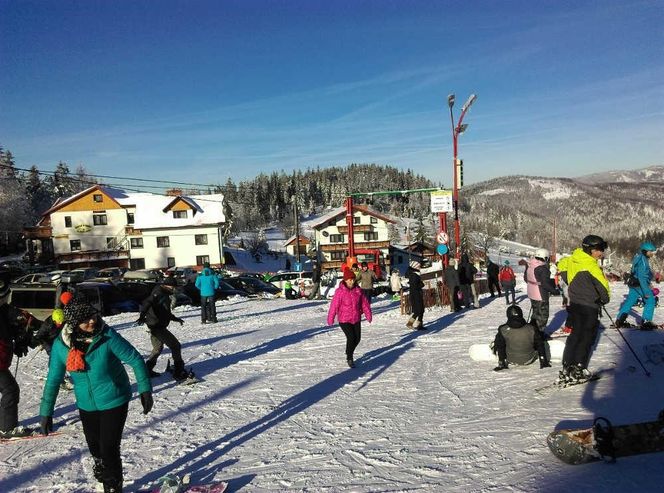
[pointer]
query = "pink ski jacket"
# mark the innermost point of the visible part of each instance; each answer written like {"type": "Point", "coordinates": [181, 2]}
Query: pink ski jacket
{"type": "Point", "coordinates": [532, 284]}
{"type": "Point", "coordinates": [348, 305]}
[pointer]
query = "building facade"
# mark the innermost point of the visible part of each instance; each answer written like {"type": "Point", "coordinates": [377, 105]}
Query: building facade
{"type": "Point", "coordinates": [107, 227]}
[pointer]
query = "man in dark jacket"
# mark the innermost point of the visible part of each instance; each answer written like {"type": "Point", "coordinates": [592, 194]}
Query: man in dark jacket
{"type": "Point", "coordinates": [315, 279]}
{"type": "Point", "coordinates": [452, 282]}
{"type": "Point", "coordinates": [156, 314]}
{"type": "Point", "coordinates": [467, 273]}
{"type": "Point", "coordinates": [415, 296]}
{"type": "Point", "coordinates": [518, 342]}
{"type": "Point", "coordinates": [14, 339]}
{"type": "Point", "coordinates": [207, 283]}
{"type": "Point", "coordinates": [492, 270]}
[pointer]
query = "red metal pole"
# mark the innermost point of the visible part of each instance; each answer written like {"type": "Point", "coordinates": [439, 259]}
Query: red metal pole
{"type": "Point", "coordinates": [442, 226]}
{"type": "Point", "coordinates": [455, 199]}
{"type": "Point", "coordinates": [349, 223]}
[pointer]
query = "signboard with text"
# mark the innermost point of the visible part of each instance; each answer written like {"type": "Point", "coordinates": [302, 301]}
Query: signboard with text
{"type": "Point", "coordinates": [441, 201]}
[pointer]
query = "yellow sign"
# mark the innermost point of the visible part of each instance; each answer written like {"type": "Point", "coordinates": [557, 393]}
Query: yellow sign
{"type": "Point", "coordinates": [83, 228]}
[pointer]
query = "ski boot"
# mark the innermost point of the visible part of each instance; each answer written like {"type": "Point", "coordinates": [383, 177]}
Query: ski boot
{"type": "Point", "coordinates": [580, 374]}
{"type": "Point", "coordinates": [410, 322]}
{"type": "Point", "coordinates": [18, 432]}
{"type": "Point", "coordinates": [502, 365]}
{"type": "Point", "coordinates": [113, 486]}
{"type": "Point", "coordinates": [544, 362]}
{"type": "Point", "coordinates": [564, 376]}
{"type": "Point", "coordinates": [647, 325]}
{"type": "Point", "coordinates": [351, 363]}
{"type": "Point", "coordinates": [621, 322]}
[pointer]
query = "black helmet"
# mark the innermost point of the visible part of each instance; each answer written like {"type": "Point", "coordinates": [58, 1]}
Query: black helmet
{"type": "Point", "coordinates": [514, 311]}
{"type": "Point", "coordinates": [594, 242]}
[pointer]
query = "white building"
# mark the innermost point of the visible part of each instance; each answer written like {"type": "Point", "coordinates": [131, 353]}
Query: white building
{"type": "Point", "coordinates": [103, 226]}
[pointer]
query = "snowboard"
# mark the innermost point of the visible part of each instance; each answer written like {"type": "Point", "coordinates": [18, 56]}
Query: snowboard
{"type": "Point", "coordinates": [173, 483]}
{"type": "Point", "coordinates": [606, 442]}
{"type": "Point", "coordinates": [483, 352]}
{"type": "Point", "coordinates": [35, 434]}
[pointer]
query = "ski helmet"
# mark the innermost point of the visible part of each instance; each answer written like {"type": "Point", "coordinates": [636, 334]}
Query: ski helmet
{"type": "Point", "coordinates": [648, 246]}
{"type": "Point", "coordinates": [542, 253]}
{"type": "Point", "coordinates": [514, 311]}
{"type": "Point", "coordinates": [594, 242]}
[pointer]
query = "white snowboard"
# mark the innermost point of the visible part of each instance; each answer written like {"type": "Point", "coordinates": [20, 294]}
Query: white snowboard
{"type": "Point", "coordinates": [483, 352]}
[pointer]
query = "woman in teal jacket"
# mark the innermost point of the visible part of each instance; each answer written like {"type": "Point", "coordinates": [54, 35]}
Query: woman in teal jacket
{"type": "Point", "coordinates": [641, 271]}
{"type": "Point", "coordinates": [93, 353]}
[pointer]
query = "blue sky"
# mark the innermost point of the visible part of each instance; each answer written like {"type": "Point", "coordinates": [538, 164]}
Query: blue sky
{"type": "Point", "coordinates": [205, 90]}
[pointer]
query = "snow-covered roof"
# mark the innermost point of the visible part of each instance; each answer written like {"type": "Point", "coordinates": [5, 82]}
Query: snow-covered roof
{"type": "Point", "coordinates": [342, 210]}
{"type": "Point", "coordinates": [303, 240]}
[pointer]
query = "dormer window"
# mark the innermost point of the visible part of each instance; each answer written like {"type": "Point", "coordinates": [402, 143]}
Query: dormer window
{"type": "Point", "coordinates": [97, 197]}
{"type": "Point", "coordinates": [180, 214]}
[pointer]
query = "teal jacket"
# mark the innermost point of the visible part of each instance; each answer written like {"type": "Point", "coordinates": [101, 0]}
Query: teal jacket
{"type": "Point", "coordinates": [207, 282]}
{"type": "Point", "coordinates": [105, 383]}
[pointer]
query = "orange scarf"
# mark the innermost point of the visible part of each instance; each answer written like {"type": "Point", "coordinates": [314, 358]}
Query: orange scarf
{"type": "Point", "coordinates": [75, 360]}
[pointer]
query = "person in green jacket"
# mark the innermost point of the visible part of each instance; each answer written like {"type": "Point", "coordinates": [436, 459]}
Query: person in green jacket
{"type": "Point", "coordinates": [94, 354]}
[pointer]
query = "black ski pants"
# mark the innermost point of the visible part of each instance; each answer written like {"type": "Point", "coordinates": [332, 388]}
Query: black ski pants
{"type": "Point", "coordinates": [467, 291]}
{"type": "Point", "coordinates": [353, 334]}
{"type": "Point", "coordinates": [417, 305]}
{"type": "Point", "coordinates": [540, 313]}
{"type": "Point", "coordinates": [585, 321]}
{"type": "Point", "coordinates": [103, 432]}
{"type": "Point", "coordinates": [494, 284]}
{"type": "Point", "coordinates": [9, 401]}
{"type": "Point", "coordinates": [160, 336]}
{"type": "Point", "coordinates": [208, 309]}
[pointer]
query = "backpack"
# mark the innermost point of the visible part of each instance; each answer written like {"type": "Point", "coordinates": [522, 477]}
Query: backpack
{"type": "Point", "coordinates": [506, 274]}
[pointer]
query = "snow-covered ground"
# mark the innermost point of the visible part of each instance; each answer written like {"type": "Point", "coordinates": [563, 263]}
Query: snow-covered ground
{"type": "Point", "coordinates": [278, 409]}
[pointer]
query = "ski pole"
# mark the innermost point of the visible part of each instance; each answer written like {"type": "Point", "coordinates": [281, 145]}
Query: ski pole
{"type": "Point", "coordinates": [626, 341]}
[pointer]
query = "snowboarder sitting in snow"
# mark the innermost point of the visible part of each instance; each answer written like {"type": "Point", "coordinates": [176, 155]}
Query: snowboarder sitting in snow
{"type": "Point", "coordinates": [518, 342]}
{"type": "Point", "coordinates": [289, 292]}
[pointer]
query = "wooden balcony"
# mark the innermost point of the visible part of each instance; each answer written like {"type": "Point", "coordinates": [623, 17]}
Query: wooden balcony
{"type": "Point", "coordinates": [37, 232]}
{"type": "Point", "coordinates": [365, 245]}
{"type": "Point", "coordinates": [357, 228]}
{"type": "Point", "coordinates": [130, 231]}
{"type": "Point", "coordinates": [92, 257]}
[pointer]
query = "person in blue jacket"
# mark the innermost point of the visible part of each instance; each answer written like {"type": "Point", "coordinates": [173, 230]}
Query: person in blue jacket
{"type": "Point", "coordinates": [641, 271]}
{"type": "Point", "coordinates": [94, 354]}
{"type": "Point", "coordinates": [207, 283]}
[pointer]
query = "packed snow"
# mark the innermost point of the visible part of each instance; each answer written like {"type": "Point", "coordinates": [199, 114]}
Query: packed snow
{"type": "Point", "coordinates": [279, 410]}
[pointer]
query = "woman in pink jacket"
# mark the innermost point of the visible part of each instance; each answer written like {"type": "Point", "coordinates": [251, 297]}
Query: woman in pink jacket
{"type": "Point", "coordinates": [348, 305]}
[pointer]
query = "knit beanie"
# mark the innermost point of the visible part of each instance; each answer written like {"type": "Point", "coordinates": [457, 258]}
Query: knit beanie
{"type": "Point", "coordinates": [77, 311]}
{"type": "Point", "coordinates": [349, 274]}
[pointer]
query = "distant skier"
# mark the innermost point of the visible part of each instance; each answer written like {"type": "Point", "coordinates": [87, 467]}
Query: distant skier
{"type": "Point", "coordinates": [507, 280]}
{"type": "Point", "coordinates": [366, 281]}
{"type": "Point", "coordinates": [467, 273]}
{"type": "Point", "coordinates": [207, 283]}
{"type": "Point", "coordinates": [315, 280]}
{"type": "Point", "coordinates": [588, 291]}
{"type": "Point", "coordinates": [539, 287]}
{"type": "Point", "coordinates": [451, 275]}
{"type": "Point", "coordinates": [395, 282]}
{"type": "Point", "coordinates": [348, 305]}
{"type": "Point", "coordinates": [518, 342]}
{"type": "Point", "coordinates": [642, 272]}
{"type": "Point", "coordinates": [492, 271]}
{"type": "Point", "coordinates": [415, 296]}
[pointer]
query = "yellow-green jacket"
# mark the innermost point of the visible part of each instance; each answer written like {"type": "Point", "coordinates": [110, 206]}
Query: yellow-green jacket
{"type": "Point", "coordinates": [587, 284]}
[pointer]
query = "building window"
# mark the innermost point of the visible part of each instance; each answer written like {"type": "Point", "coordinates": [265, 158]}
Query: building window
{"type": "Point", "coordinates": [201, 239]}
{"type": "Point", "coordinates": [180, 214]}
{"type": "Point", "coordinates": [99, 219]}
{"type": "Point", "coordinates": [97, 197]}
{"type": "Point", "coordinates": [337, 255]}
{"type": "Point", "coordinates": [67, 221]}
{"type": "Point", "coordinates": [373, 220]}
{"type": "Point", "coordinates": [75, 245]}
{"type": "Point", "coordinates": [356, 219]}
{"type": "Point", "coordinates": [111, 243]}
{"type": "Point", "coordinates": [130, 218]}
{"type": "Point", "coordinates": [163, 242]}
{"type": "Point", "coordinates": [170, 262]}
{"type": "Point", "coordinates": [370, 236]}
{"type": "Point", "coordinates": [137, 243]}
{"type": "Point", "coordinates": [137, 263]}
{"type": "Point", "coordinates": [336, 238]}
{"type": "Point", "coordinates": [201, 259]}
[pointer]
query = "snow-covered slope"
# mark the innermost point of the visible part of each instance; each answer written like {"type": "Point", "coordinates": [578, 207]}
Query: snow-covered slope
{"type": "Point", "coordinates": [278, 410]}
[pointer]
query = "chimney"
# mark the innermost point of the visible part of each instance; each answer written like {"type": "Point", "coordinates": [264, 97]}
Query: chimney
{"type": "Point", "coordinates": [174, 192]}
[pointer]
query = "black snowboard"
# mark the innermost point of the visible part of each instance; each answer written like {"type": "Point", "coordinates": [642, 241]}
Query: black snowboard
{"type": "Point", "coordinates": [606, 442]}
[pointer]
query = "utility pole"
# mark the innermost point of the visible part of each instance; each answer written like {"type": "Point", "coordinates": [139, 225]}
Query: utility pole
{"type": "Point", "coordinates": [297, 229]}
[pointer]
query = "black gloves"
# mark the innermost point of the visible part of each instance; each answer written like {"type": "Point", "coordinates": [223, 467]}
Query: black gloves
{"type": "Point", "coordinates": [20, 348]}
{"type": "Point", "coordinates": [46, 424]}
{"type": "Point", "coordinates": [146, 402]}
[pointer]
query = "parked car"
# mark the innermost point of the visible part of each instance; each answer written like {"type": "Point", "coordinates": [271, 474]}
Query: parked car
{"type": "Point", "coordinates": [78, 275]}
{"type": "Point", "coordinates": [186, 273]}
{"type": "Point", "coordinates": [29, 278]}
{"type": "Point", "coordinates": [224, 292]}
{"type": "Point", "coordinates": [107, 297]}
{"type": "Point", "coordinates": [142, 275]}
{"type": "Point", "coordinates": [139, 290]}
{"type": "Point", "coordinates": [12, 268]}
{"type": "Point", "coordinates": [52, 277]}
{"type": "Point", "coordinates": [113, 273]}
{"type": "Point", "coordinates": [39, 299]}
{"type": "Point", "coordinates": [252, 285]}
{"type": "Point", "coordinates": [295, 278]}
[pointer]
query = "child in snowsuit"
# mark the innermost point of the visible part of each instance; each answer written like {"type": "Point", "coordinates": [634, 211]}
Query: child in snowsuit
{"type": "Point", "coordinates": [348, 305]}
{"type": "Point", "coordinates": [94, 354]}
{"type": "Point", "coordinates": [518, 342]}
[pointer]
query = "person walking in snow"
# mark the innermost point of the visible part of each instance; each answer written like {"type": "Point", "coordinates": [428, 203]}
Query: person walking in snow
{"type": "Point", "coordinates": [518, 342]}
{"type": "Point", "coordinates": [642, 288]}
{"type": "Point", "coordinates": [539, 286]}
{"type": "Point", "coordinates": [348, 305]}
{"type": "Point", "coordinates": [588, 291]}
{"type": "Point", "coordinates": [156, 314]}
{"type": "Point", "coordinates": [366, 280]}
{"type": "Point", "coordinates": [467, 273]}
{"type": "Point", "coordinates": [14, 339]}
{"type": "Point", "coordinates": [415, 296]}
{"type": "Point", "coordinates": [315, 280]}
{"type": "Point", "coordinates": [94, 353]}
{"type": "Point", "coordinates": [492, 271]}
{"type": "Point", "coordinates": [507, 280]}
{"type": "Point", "coordinates": [207, 283]}
{"type": "Point", "coordinates": [395, 282]}
{"type": "Point", "coordinates": [451, 276]}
